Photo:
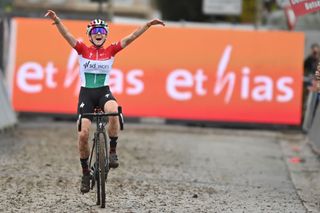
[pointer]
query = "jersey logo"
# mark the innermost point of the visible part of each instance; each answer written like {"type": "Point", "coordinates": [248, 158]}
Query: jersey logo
{"type": "Point", "coordinates": [107, 95]}
{"type": "Point", "coordinates": [82, 105]}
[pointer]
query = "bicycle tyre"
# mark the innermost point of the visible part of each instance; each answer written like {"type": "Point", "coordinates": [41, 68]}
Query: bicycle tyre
{"type": "Point", "coordinates": [96, 174]}
{"type": "Point", "coordinates": [102, 168]}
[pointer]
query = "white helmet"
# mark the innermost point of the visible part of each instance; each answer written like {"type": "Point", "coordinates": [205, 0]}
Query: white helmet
{"type": "Point", "coordinates": [97, 23]}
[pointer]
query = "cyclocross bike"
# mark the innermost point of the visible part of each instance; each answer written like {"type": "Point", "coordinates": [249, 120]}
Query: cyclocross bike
{"type": "Point", "coordinates": [99, 150]}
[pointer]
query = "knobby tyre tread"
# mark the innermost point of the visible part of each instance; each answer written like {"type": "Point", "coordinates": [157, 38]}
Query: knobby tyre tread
{"type": "Point", "coordinates": [97, 175]}
{"type": "Point", "coordinates": [102, 168]}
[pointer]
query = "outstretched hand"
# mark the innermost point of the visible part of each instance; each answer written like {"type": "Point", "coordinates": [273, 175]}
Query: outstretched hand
{"type": "Point", "coordinates": [155, 22]}
{"type": "Point", "coordinates": [51, 14]}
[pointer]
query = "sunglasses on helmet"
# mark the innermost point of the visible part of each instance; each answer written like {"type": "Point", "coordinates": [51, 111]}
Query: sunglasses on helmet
{"type": "Point", "coordinates": [97, 30]}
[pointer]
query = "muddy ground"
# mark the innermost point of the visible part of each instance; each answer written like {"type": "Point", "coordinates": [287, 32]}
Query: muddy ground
{"type": "Point", "coordinates": [162, 169]}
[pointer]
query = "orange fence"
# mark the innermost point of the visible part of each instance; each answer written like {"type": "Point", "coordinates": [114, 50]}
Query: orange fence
{"type": "Point", "coordinates": [169, 72]}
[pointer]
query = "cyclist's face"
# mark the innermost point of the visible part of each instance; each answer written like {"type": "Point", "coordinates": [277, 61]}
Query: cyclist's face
{"type": "Point", "coordinates": [98, 36]}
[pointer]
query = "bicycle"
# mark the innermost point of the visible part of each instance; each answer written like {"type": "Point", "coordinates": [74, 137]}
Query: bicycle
{"type": "Point", "coordinates": [100, 168]}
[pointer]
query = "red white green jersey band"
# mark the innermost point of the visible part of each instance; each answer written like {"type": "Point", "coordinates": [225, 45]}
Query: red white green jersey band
{"type": "Point", "coordinates": [96, 64]}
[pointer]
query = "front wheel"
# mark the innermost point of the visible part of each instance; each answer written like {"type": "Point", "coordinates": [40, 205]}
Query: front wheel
{"type": "Point", "coordinates": [102, 169]}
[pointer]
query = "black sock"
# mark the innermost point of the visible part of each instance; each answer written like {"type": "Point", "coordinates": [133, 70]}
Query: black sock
{"type": "Point", "coordinates": [113, 144]}
{"type": "Point", "coordinates": [84, 165]}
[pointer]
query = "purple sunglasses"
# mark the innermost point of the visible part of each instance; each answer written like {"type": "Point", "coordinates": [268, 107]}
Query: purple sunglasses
{"type": "Point", "coordinates": [97, 30]}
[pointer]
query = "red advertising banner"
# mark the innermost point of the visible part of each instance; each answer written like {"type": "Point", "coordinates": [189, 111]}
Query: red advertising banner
{"type": "Point", "coordinates": [302, 7]}
{"type": "Point", "coordinates": [169, 72]}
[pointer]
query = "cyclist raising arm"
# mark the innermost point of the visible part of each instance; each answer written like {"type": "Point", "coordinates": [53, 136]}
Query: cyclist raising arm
{"type": "Point", "coordinates": [95, 66]}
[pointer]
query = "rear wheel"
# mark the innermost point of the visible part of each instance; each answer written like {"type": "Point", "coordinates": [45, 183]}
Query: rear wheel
{"type": "Point", "coordinates": [102, 168]}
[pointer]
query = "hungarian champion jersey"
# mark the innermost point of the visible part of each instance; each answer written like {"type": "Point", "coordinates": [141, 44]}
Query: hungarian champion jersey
{"type": "Point", "coordinates": [96, 63]}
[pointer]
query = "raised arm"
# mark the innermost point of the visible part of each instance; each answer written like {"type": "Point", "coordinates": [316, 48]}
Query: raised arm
{"type": "Point", "coordinates": [130, 38]}
{"type": "Point", "coordinates": [62, 29]}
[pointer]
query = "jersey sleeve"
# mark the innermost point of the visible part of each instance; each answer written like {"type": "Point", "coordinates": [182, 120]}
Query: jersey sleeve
{"type": "Point", "coordinates": [115, 48]}
{"type": "Point", "coordinates": [80, 46]}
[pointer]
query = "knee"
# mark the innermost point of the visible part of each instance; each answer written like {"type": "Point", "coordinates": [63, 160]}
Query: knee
{"type": "Point", "coordinates": [115, 110]}
{"type": "Point", "coordinates": [111, 107]}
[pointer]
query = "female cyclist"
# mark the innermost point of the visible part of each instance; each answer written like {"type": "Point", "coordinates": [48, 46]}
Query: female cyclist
{"type": "Point", "coordinates": [95, 65]}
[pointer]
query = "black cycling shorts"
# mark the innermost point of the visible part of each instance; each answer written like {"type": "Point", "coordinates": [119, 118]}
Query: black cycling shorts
{"type": "Point", "coordinates": [90, 98]}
